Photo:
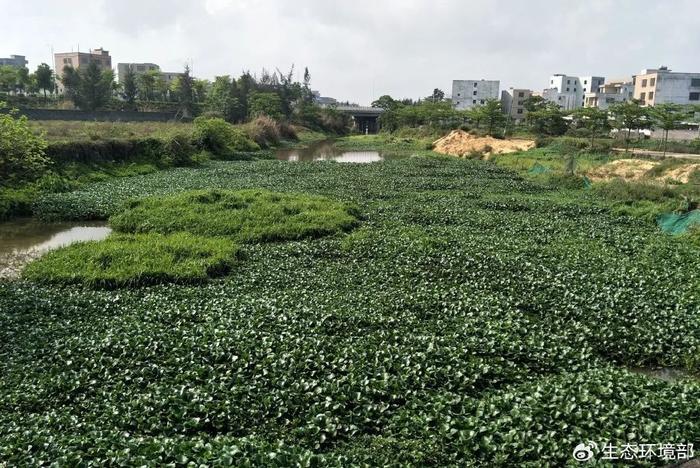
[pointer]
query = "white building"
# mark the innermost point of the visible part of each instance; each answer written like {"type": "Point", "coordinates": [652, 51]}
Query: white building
{"type": "Point", "coordinates": [568, 91]}
{"type": "Point", "coordinates": [136, 69]}
{"type": "Point", "coordinates": [17, 61]}
{"type": "Point", "coordinates": [513, 102]}
{"type": "Point", "coordinates": [469, 93]}
{"type": "Point", "coordinates": [143, 68]}
{"type": "Point", "coordinates": [610, 93]}
{"type": "Point", "coordinates": [663, 86]}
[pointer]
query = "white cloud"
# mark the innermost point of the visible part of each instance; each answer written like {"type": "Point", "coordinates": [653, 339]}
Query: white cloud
{"type": "Point", "coordinates": [360, 49]}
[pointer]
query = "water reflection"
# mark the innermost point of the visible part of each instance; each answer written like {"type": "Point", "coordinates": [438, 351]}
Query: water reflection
{"type": "Point", "coordinates": [327, 151]}
{"type": "Point", "coordinates": [26, 235]}
{"type": "Point", "coordinates": [667, 374]}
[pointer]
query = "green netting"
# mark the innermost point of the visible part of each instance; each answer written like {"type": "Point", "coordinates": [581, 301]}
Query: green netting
{"type": "Point", "coordinates": [538, 168]}
{"type": "Point", "coordinates": [672, 223]}
{"type": "Point", "coordinates": [587, 182]}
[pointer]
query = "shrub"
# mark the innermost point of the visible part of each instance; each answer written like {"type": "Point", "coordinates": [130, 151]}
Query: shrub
{"type": "Point", "coordinates": [246, 215]}
{"type": "Point", "coordinates": [221, 139]}
{"type": "Point", "coordinates": [22, 153]}
{"type": "Point", "coordinates": [264, 131]}
{"type": "Point", "coordinates": [178, 150]}
{"type": "Point", "coordinates": [135, 260]}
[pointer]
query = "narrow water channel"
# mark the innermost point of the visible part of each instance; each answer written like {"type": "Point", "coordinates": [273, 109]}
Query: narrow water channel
{"type": "Point", "coordinates": [327, 151]}
{"type": "Point", "coordinates": [23, 240]}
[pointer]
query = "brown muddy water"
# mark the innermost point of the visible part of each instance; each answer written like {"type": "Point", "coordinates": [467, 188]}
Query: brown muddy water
{"type": "Point", "coordinates": [23, 240]}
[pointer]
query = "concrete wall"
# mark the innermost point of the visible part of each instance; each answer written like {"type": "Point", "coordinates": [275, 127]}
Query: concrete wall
{"type": "Point", "coordinates": [99, 116]}
{"type": "Point", "coordinates": [469, 93]}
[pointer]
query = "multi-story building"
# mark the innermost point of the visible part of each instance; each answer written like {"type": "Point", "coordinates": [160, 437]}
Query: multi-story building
{"type": "Point", "coordinates": [19, 61]}
{"type": "Point", "coordinates": [76, 60]}
{"type": "Point", "coordinates": [609, 93]}
{"type": "Point", "coordinates": [99, 56]}
{"type": "Point", "coordinates": [513, 102]}
{"type": "Point", "coordinates": [469, 93]}
{"type": "Point", "coordinates": [663, 86]}
{"type": "Point", "coordinates": [570, 90]}
{"type": "Point", "coordinates": [136, 69]}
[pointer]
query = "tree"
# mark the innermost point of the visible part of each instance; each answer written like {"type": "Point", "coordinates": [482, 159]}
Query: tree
{"type": "Point", "coordinates": [386, 102]}
{"type": "Point", "coordinates": [146, 83]}
{"type": "Point", "coordinates": [222, 98]}
{"type": "Point", "coordinates": [22, 155]}
{"type": "Point", "coordinates": [268, 104]}
{"type": "Point", "coordinates": [535, 103]}
{"type": "Point", "coordinates": [44, 78]}
{"type": "Point", "coordinates": [88, 87]}
{"type": "Point", "coordinates": [307, 95]}
{"type": "Point", "coordinates": [22, 79]}
{"type": "Point", "coordinates": [594, 120]}
{"type": "Point", "coordinates": [186, 93]}
{"type": "Point", "coordinates": [627, 116]}
{"type": "Point", "coordinates": [492, 115]}
{"type": "Point", "coordinates": [129, 88]}
{"type": "Point", "coordinates": [668, 117]}
{"type": "Point", "coordinates": [547, 118]}
{"type": "Point", "coordinates": [438, 95]}
{"type": "Point", "coordinates": [8, 78]}
{"type": "Point", "coordinates": [201, 88]}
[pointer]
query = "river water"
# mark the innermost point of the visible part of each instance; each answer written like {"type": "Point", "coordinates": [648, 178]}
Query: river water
{"type": "Point", "coordinates": [23, 240]}
{"type": "Point", "coordinates": [327, 151]}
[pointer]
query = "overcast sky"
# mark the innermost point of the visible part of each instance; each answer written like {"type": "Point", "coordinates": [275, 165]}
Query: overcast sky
{"type": "Point", "coordinates": [358, 50]}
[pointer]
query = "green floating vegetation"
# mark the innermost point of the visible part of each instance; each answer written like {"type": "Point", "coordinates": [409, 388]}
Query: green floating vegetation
{"type": "Point", "coordinates": [246, 215]}
{"type": "Point", "coordinates": [136, 260]}
{"type": "Point", "coordinates": [477, 318]}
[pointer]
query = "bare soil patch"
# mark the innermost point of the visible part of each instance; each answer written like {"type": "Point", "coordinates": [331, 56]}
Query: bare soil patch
{"type": "Point", "coordinates": [461, 143]}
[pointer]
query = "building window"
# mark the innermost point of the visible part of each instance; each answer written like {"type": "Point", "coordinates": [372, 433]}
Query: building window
{"type": "Point", "coordinates": [567, 90]}
{"type": "Point", "coordinates": [652, 81]}
{"type": "Point", "coordinates": [474, 93]}
{"type": "Point", "coordinates": [520, 111]}
{"type": "Point", "coordinates": [643, 96]}
{"type": "Point", "coordinates": [520, 103]}
{"type": "Point", "coordinates": [695, 82]}
{"type": "Point", "coordinates": [475, 85]}
{"type": "Point", "coordinates": [521, 94]}
{"type": "Point", "coordinates": [482, 101]}
{"type": "Point", "coordinates": [585, 81]}
{"type": "Point", "coordinates": [651, 95]}
{"type": "Point", "coordinates": [694, 97]}
{"type": "Point", "coordinates": [568, 81]}
{"type": "Point", "coordinates": [574, 89]}
{"type": "Point", "coordinates": [584, 90]}
{"type": "Point", "coordinates": [609, 100]}
{"type": "Point", "coordinates": [459, 94]}
{"type": "Point", "coordinates": [644, 83]}
{"type": "Point", "coordinates": [474, 101]}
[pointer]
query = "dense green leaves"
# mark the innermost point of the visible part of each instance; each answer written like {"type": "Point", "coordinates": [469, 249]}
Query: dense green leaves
{"type": "Point", "coordinates": [474, 318]}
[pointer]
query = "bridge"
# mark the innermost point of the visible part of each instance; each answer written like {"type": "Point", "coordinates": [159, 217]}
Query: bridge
{"type": "Point", "coordinates": [365, 119]}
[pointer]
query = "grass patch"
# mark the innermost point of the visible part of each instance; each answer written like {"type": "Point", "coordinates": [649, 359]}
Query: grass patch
{"type": "Point", "coordinates": [135, 260]}
{"type": "Point", "coordinates": [247, 216]}
{"type": "Point", "coordinates": [57, 131]}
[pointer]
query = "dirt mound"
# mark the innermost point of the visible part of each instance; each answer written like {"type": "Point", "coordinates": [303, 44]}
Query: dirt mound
{"type": "Point", "coordinates": [628, 169]}
{"type": "Point", "coordinates": [637, 169]}
{"type": "Point", "coordinates": [461, 143]}
{"type": "Point", "coordinates": [682, 173]}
